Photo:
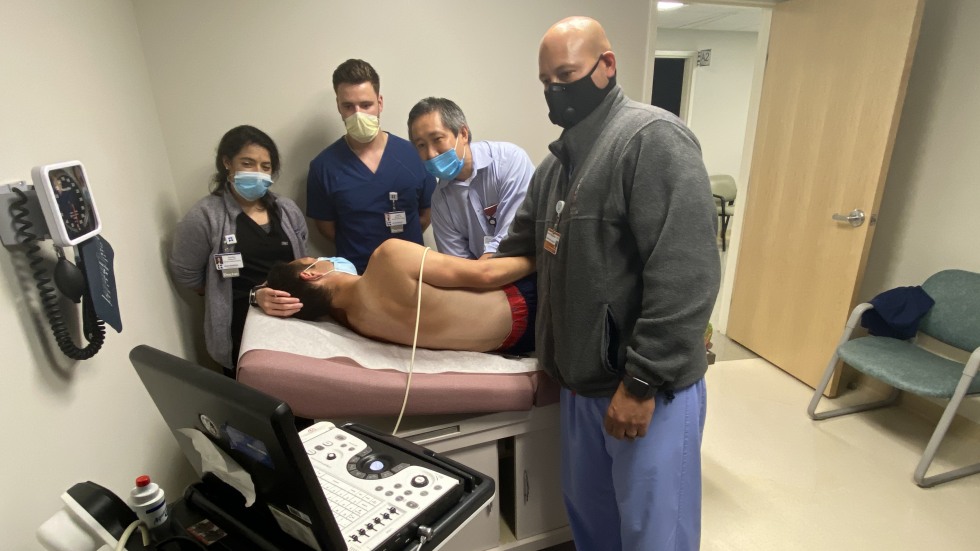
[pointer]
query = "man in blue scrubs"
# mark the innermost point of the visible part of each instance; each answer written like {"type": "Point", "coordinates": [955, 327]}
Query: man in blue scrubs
{"type": "Point", "coordinates": [481, 184]}
{"type": "Point", "coordinates": [622, 225]}
{"type": "Point", "coordinates": [369, 185]}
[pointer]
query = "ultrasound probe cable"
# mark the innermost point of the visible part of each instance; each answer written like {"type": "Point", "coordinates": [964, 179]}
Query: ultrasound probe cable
{"type": "Point", "coordinates": [415, 342]}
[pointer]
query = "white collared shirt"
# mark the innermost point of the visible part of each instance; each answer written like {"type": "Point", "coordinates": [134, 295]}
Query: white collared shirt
{"type": "Point", "coordinates": [464, 212]}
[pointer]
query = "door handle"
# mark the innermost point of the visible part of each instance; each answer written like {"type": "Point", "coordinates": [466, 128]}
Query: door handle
{"type": "Point", "coordinates": [855, 217]}
{"type": "Point", "coordinates": [527, 487]}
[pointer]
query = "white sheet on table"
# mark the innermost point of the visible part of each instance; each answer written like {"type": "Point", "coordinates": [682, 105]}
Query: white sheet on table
{"type": "Point", "coordinates": [328, 339]}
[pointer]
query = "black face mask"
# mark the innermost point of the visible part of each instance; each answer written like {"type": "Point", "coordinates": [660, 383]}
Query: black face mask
{"type": "Point", "coordinates": [569, 103]}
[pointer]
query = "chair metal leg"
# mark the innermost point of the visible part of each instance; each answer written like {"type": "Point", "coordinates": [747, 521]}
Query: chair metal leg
{"type": "Point", "coordinates": [724, 231]}
{"type": "Point", "coordinates": [811, 410]}
{"type": "Point", "coordinates": [937, 436]}
{"type": "Point", "coordinates": [891, 399]}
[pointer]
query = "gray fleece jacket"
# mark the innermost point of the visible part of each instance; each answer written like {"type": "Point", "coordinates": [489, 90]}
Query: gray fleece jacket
{"type": "Point", "coordinates": [199, 236]}
{"type": "Point", "coordinates": [636, 273]}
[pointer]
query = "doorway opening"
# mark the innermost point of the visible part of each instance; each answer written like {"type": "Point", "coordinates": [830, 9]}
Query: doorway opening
{"type": "Point", "coordinates": [673, 80]}
{"type": "Point", "coordinates": [719, 100]}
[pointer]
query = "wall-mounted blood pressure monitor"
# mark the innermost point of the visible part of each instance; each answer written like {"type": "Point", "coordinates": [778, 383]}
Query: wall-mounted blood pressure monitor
{"type": "Point", "coordinates": [65, 197]}
{"type": "Point", "coordinates": [66, 200]}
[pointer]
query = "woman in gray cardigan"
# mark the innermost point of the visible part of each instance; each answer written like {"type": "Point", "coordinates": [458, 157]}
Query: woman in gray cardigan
{"type": "Point", "coordinates": [225, 245]}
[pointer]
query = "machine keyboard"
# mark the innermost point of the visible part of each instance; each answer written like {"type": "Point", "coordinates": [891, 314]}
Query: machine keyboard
{"type": "Point", "coordinates": [374, 495]}
{"type": "Point", "coordinates": [347, 502]}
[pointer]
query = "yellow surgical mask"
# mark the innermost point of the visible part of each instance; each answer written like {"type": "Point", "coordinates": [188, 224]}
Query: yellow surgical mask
{"type": "Point", "coordinates": [362, 127]}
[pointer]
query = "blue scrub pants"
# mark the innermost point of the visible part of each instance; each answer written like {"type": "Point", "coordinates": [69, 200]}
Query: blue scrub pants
{"type": "Point", "coordinates": [640, 495]}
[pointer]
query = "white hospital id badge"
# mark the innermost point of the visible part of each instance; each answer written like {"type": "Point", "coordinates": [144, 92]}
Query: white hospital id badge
{"type": "Point", "coordinates": [228, 264]}
{"type": "Point", "coordinates": [551, 241]}
{"type": "Point", "coordinates": [396, 220]}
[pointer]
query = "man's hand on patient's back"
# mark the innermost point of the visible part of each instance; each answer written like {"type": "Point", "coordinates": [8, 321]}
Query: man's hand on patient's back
{"type": "Point", "coordinates": [277, 303]}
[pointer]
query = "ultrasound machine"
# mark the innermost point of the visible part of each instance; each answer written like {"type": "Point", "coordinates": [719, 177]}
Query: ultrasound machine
{"type": "Point", "coordinates": [324, 487]}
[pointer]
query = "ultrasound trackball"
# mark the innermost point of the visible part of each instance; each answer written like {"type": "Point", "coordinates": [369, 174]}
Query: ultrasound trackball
{"type": "Point", "coordinates": [374, 464]}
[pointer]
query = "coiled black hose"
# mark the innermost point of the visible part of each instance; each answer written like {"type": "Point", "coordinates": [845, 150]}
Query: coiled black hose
{"type": "Point", "coordinates": [92, 326]}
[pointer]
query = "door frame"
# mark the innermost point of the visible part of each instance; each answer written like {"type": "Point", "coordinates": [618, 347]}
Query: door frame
{"type": "Point", "coordinates": [755, 96]}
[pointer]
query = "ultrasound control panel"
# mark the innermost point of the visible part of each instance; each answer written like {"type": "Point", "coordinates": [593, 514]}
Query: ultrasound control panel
{"type": "Point", "coordinates": [375, 494]}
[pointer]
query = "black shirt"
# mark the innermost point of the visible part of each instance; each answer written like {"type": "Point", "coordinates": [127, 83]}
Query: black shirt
{"type": "Point", "coordinates": [261, 248]}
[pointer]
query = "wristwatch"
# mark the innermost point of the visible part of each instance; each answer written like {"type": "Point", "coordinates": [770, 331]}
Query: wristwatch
{"type": "Point", "coordinates": [638, 388]}
{"type": "Point", "coordinates": [253, 299]}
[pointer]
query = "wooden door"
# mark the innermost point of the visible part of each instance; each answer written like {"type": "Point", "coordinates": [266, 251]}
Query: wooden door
{"type": "Point", "coordinates": [831, 99]}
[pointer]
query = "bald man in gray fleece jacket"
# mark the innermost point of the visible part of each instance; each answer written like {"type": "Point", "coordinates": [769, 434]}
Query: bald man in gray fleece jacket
{"type": "Point", "coordinates": [621, 222]}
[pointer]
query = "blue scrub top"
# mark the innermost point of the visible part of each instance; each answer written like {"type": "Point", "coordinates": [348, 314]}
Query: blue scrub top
{"type": "Point", "coordinates": [340, 188]}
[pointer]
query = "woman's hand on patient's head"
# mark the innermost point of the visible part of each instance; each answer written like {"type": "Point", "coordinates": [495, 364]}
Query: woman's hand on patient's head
{"type": "Point", "coordinates": [277, 303]}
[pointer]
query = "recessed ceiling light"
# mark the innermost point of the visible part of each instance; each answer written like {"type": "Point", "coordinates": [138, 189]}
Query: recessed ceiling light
{"type": "Point", "coordinates": [667, 6]}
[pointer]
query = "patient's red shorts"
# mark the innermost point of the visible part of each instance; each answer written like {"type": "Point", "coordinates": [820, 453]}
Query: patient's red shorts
{"type": "Point", "coordinates": [523, 298]}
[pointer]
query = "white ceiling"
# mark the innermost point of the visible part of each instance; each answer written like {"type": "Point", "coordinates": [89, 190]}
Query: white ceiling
{"type": "Point", "coordinates": [704, 17]}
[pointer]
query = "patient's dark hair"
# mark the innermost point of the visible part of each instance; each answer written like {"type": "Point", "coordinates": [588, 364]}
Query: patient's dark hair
{"type": "Point", "coordinates": [316, 300]}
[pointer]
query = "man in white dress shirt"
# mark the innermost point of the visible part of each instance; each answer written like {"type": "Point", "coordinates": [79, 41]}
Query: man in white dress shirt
{"type": "Point", "coordinates": [480, 184]}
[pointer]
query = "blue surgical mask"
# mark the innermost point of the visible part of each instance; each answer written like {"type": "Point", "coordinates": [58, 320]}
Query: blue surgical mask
{"type": "Point", "coordinates": [340, 264]}
{"type": "Point", "coordinates": [252, 186]}
{"type": "Point", "coordinates": [446, 165]}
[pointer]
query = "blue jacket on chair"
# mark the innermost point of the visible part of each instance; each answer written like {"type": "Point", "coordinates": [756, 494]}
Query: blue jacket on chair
{"type": "Point", "coordinates": [897, 312]}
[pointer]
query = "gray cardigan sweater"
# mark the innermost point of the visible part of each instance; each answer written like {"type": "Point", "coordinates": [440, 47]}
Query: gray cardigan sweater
{"type": "Point", "coordinates": [634, 280]}
{"type": "Point", "coordinates": [199, 236]}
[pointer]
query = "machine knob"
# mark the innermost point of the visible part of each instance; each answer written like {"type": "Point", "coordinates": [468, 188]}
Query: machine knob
{"type": "Point", "coordinates": [420, 481]}
{"type": "Point", "coordinates": [331, 455]}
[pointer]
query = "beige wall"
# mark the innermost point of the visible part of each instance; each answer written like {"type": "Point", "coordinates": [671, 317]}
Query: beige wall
{"type": "Point", "coordinates": [720, 103]}
{"type": "Point", "coordinates": [217, 64]}
{"type": "Point", "coordinates": [929, 213]}
{"type": "Point", "coordinates": [75, 86]}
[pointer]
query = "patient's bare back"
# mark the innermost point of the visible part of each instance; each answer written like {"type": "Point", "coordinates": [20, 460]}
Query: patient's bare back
{"type": "Point", "coordinates": [451, 319]}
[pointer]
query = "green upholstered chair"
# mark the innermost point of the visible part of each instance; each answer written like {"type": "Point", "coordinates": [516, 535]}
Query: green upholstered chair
{"type": "Point", "coordinates": [723, 190]}
{"type": "Point", "coordinates": [954, 320]}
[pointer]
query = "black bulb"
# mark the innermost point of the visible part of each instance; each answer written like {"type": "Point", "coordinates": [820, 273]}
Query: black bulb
{"type": "Point", "coordinates": [69, 279]}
